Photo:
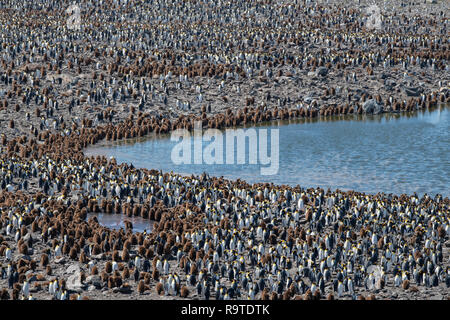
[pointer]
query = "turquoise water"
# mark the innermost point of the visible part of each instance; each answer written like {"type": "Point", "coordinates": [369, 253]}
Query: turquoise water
{"type": "Point", "coordinates": [391, 153]}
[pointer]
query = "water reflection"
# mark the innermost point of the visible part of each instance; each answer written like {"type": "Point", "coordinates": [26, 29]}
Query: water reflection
{"type": "Point", "coordinates": [392, 153]}
{"type": "Point", "coordinates": [117, 221]}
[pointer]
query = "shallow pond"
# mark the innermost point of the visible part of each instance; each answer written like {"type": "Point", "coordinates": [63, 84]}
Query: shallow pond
{"type": "Point", "coordinates": [391, 153]}
{"type": "Point", "coordinates": [116, 221]}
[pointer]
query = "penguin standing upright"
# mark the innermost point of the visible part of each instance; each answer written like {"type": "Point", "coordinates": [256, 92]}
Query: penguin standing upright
{"type": "Point", "coordinates": [207, 291]}
{"type": "Point", "coordinates": [26, 288]}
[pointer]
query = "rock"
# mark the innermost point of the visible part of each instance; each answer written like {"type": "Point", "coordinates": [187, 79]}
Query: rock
{"type": "Point", "coordinates": [98, 256]}
{"type": "Point", "coordinates": [73, 269]}
{"type": "Point", "coordinates": [34, 289]}
{"type": "Point", "coordinates": [60, 260]}
{"type": "Point", "coordinates": [322, 71]}
{"type": "Point", "coordinates": [372, 107]}
{"type": "Point", "coordinates": [312, 74]}
{"type": "Point", "coordinates": [74, 283]}
{"type": "Point", "coordinates": [390, 83]}
{"type": "Point", "coordinates": [91, 288]}
{"type": "Point", "coordinates": [125, 289]}
{"type": "Point", "coordinates": [308, 99]}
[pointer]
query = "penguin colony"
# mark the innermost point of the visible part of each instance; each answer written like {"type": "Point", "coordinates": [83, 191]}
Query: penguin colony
{"type": "Point", "coordinates": [148, 67]}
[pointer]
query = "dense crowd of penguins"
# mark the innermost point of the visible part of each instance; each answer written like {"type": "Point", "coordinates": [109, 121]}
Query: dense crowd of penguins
{"type": "Point", "coordinates": [219, 238]}
{"type": "Point", "coordinates": [195, 58]}
{"type": "Point", "coordinates": [119, 76]}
